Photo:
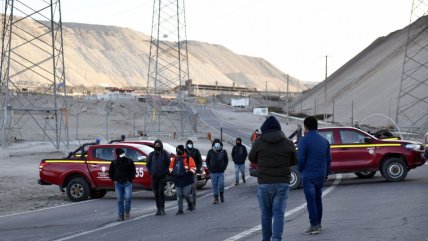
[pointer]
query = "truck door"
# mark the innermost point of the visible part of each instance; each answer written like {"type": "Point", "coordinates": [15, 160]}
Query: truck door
{"type": "Point", "coordinates": [142, 177]}
{"type": "Point", "coordinates": [329, 135]}
{"type": "Point", "coordinates": [355, 154]}
{"type": "Point", "coordinates": [98, 164]}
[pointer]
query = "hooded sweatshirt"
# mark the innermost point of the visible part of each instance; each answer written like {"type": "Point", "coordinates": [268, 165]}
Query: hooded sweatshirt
{"type": "Point", "coordinates": [158, 162]}
{"type": "Point", "coordinates": [273, 153]}
{"type": "Point", "coordinates": [217, 160]}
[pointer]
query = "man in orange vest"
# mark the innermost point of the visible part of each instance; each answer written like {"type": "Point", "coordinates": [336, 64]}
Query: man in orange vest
{"type": "Point", "coordinates": [254, 136]}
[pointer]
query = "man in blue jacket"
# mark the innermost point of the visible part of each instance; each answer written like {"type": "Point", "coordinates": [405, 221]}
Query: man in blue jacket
{"type": "Point", "coordinates": [314, 160]}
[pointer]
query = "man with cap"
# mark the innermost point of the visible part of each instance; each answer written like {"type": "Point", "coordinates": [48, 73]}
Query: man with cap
{"type": "Point", "coordinates": [157, 166]}
{"type": "Point", "coordinates": [122, 172]}
{"type": "Point", "coordinates": [239, 155]}
{"type": "Point", "coordinates": [314, 166]}
{"type": "Point", "coordinates": [274, 154]}
{"type": "Point", "coordinates": [183, 168]}
{"type": "Point", "coordinates": [196, 155]}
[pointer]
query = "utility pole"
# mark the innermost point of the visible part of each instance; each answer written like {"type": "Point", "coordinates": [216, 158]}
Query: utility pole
{"type": "Point", "coordinates": [325, 90]}
{"type": "Point", "coordinates": [288, 95]}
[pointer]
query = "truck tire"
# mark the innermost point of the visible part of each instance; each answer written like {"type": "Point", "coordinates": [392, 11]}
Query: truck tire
{"type": "Point", "coordinates": [95, 194]}
{"type": "Point", "coordinates": [295, 180]}
{"type": "Point", "coordinates": [78, 189]}
{"type": "Point", "coordinates": [365, 175]}
{"type": "Point", "coordinates": [169, 190]}
{"type": "Point", "coordinates": [394, 169]}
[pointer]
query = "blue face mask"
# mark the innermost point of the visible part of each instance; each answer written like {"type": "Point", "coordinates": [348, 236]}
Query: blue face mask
{"type": "Point", "coordinates": [190, 146]}
{"type": "Point", "coordinates": [217, 146]}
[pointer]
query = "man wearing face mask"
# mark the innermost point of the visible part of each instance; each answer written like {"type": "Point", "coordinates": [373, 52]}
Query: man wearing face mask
{"type": "Point", "coordinates": [196, 156]}
{"type": "Point", "coordinates": [217, 161]}
{"type": "Point", "coordinates": [157, 165]}
{"type": "Point", "coordinates": [239, 155]}
{"type": "Point", "coordinates": [122, 171]}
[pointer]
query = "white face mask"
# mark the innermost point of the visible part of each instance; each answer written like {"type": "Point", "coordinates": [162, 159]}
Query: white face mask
{"type": "Point", "coordinates": [217, 146]}
{"type": "Point", "coordinates": [190, 146]}
{"type": "Point", "coordinates": [122, 155]}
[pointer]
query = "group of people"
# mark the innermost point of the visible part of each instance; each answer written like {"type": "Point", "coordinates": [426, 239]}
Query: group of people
{"type": "Point", "coordinates": [274, 154]}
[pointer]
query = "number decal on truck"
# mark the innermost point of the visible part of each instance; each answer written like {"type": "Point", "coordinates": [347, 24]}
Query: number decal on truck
{"type": "Point", "coordinates": [139, 172]}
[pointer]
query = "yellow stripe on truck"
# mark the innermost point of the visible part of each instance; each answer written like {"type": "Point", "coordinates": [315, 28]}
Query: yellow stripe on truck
{"type": "Point", "coordinates": [363, 145]}
{"type": "Point", "coordinates": [64, 161]}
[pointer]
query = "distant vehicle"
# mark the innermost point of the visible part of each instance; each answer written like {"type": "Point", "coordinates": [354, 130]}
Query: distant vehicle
{"type": "Point", "coordinates": [84, 173]}
{"type": "Point", "coordinates": [355, 151]}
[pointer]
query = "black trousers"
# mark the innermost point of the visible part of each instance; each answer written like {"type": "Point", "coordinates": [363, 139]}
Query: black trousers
{"type": "Point", "coordinates": [158, 185]}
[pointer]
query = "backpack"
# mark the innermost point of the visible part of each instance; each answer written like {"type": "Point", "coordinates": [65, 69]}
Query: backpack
{"type": "Point", "coordinates": [179, 170]}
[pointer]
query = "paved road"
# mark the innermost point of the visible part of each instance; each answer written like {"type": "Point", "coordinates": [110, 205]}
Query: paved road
{"type": "Point", "coordinates": [355, 209]}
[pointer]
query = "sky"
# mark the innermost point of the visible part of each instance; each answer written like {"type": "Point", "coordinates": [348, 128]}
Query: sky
{"type": "Point", "coordinates": [293, 35]}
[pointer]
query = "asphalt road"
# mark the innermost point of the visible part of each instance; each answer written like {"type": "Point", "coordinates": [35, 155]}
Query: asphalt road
{"type": "Point", "coordinates": [354, 209]}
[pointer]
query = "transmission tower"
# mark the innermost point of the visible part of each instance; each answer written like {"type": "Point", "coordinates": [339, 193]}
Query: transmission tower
{"type": "Point", "coordinates": [168, 68]}
{"type": "Point", "coordinates": [32, 75]}
{"type": "Point", "coordinates": [412, 107]}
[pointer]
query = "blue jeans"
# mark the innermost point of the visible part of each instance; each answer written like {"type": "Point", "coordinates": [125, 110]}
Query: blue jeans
{"type": "Point", "coordinates": [217, 180]}
{"type": "Point", "coordinates": [123, 191]}
{"type": "Point", "coordinates": [183, 193]}
{"type": "Point", "coordinates": [312, 186]}
{"type": "Point", "coordinates": [239, 168]}
{"type": "Point", "coordinates": [272, 201]}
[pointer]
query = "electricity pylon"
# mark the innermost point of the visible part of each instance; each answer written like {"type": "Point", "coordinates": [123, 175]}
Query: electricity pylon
{"type": "Point", "coordinates": [168, 68]}
{"type": "Point", "coordinates": [32, 73]}
{"type": "Point", "coordinates": [412, 106]}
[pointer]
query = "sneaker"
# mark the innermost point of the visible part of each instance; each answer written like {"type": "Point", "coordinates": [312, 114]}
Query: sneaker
{"type": "Point", "coordinates": [162, 211]}
{"type": "Point", "coordinates": [127, 215]}
{"type": "Point", "coordinates": [236, 183]}
{"type": "Point", "coordinates": [179, 212]}
{"type": "Point", "coordinates": [120, 217]}
{"type": "Point", "coordinates": [312, 230]}
{"type": "Point", "coordinates": [158, 213]}
{"type": "Point", "coordinates": [320, 227]}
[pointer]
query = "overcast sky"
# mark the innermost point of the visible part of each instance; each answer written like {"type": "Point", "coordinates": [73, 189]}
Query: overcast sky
{"type": "Point", "coordinates": [294, 35]}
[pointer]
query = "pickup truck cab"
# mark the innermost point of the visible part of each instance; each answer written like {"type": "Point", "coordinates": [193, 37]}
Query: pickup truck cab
{"type": "Point", "coordinates": [86, 175]}
{"type": "Point", "coordinates": [355, 151]}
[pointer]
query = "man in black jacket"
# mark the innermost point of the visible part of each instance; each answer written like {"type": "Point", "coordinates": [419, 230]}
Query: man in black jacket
{"type": "Point", "coordinates": [196, 155]}
{"type": "Point", "coordinates": [122, 172]}
{"type": "Point", "coordinates": [239, 155]}
{"type": "Point", "coordinates": [217, 161]}
{"type": "Point", "coordinates": [274, 155]}
{"type": "Point", "coordinates": [157, 166]}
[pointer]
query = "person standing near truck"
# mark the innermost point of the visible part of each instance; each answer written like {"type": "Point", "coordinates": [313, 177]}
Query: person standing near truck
{"type": "Point", "coordinates": [157, 166]}
{"type": "Point", "coordinates": [196, 155]}
{"type": "Point", "coordinates": [217, 161]}
{"type": "Point", "coordinates": [239, 155]}
{"type": "Point", "coordinates": [122, 171]}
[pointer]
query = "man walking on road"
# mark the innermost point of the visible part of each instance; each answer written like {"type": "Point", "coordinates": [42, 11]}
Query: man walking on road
{"type": "Point", "coordinates": [274, 155]}
{"type": "Point", "coordinates": [122, 172]}
{"type": "Point", "coordinates": [217, 161]}
{"type": "Point", "coordinates": [239, 155]}
{"type": "Point", "coordinates": [196, 155]}
{"type": "Point", "coordinates": [158, 167]}
{"type": "Point", "coordinates": [314, 166]}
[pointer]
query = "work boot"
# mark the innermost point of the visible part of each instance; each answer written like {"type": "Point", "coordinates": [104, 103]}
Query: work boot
{"type": "Point", "coordinates": [179, 212]}
{"type": "Point", "coordinates": [222, 197]}
{"type": "Point", "coordinates": [158, 213]}
{"type": "Point", "coordinates": [190, 206]}
{"type": "Point", "coordinates": [236, 183]}
{"type": "Point", "coordinates": [127, 215]}
{"type": "Point", "coordinates": [312, 230]}
{"type": "Point", "coordinates": [120, 217]}
{"type": "Point", "coordinates": [216, 199]}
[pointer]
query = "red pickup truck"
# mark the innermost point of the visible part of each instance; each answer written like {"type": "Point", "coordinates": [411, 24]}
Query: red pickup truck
{"type": "Point", "coordinates": [355, 151]}
{"type": "Point", "coordinates": [85, 174]}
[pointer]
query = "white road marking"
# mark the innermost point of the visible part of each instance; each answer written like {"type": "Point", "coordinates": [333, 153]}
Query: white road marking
{"type": "Point", "coordinates": [289, 213]}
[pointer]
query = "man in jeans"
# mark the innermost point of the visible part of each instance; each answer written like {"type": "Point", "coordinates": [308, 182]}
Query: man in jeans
{"type": "Point", "coordinates": [239, 155]}
{"type": "Point", "coordinates": [217, 161]}
{"type": "Point", "coordinates": [122, 171]}
{"type": "Point", "coordinates": [314, 166]}
{"type": "Point", "coordinates": [274, 155]}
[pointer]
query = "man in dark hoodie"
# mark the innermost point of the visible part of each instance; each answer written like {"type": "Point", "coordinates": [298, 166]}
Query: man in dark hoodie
{"type": "Point", "coordinates": [122, 172]}
{"type": "Point", "coordinates": [217, 161]}
{"type": "Point", "coordinates": [157, 166]}
{"type": "Point", "coordinates": [274, 154]}
{"type": "Point", "coordinates": [239, 155]}
{"type": "Point", "coordinates": [196, 155]}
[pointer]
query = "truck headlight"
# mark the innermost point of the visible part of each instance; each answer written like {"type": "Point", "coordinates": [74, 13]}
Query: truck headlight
{"type": "Point", "coordinates": [414, 147]}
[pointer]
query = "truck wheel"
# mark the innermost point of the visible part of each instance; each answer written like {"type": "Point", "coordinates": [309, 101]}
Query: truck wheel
{"type": "Point", "coordinates": [78, 190]}
{"type": "Point", "coordinates": [295, 180]}
{"type": "Point", "coordinates": [394, 169]}
{"type": "Point", "coordinates": [365, 175]}
{"type": "Point", "coordinates": [169, 190]}
{"type": "Point", "coordinates": [95, 194]}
